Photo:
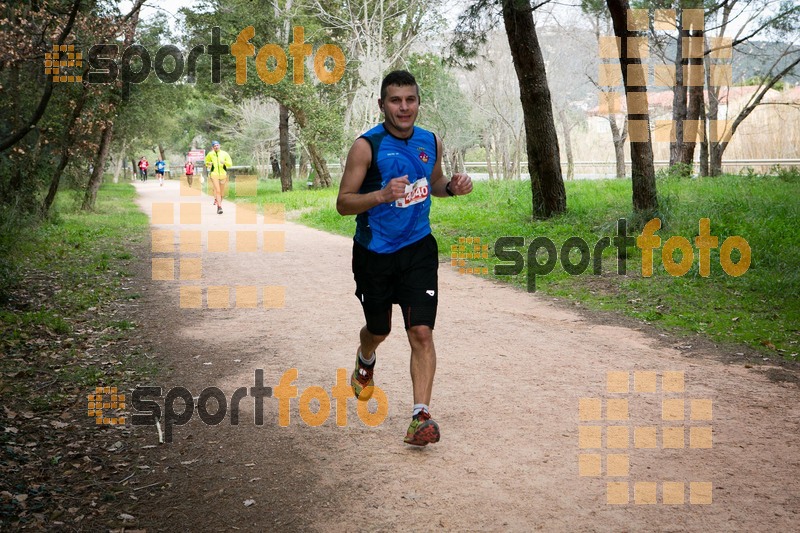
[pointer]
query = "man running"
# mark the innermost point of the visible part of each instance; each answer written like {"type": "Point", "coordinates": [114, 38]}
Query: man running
{"type": "Point", "coordinates": [217, 163]}
{"type": "Point", "coordinates": [390, 174]}
{"type": "Point", "coordinates": [161, 166]}
{"type": "Point", "coordinates": [188, 168]}
{"type": "Point", "coordinates": [143, 164]}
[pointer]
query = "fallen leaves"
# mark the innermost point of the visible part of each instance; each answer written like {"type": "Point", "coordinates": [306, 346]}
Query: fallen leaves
{"type": "Point", "coordinates": [58, 469]}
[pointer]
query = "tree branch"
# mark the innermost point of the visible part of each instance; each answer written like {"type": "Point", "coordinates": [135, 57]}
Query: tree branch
{"type": "Point", "coordinates": [15, 137]}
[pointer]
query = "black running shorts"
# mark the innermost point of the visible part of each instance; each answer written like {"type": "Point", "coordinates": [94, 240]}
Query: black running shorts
{"type": "Point", "coordinates": [408, 277]}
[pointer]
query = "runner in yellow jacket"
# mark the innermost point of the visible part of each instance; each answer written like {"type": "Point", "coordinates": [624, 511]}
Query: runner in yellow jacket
{"type": "Point", "coordinates": [217, 163]}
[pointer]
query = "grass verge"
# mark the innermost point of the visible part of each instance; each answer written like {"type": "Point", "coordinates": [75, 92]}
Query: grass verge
{"type": "Point", "coordinates": [65, 328]}
{"type": "Point", "coordinates": [760, 308]}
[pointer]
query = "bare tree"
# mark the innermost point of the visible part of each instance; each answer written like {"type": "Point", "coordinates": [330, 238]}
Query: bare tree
{"type": "Point", "coordinates": [23, 129]}
{"type": "Point", "coordinates": [643, 175]}
{"type": "Point", "coordinates": [129, 23]}
{"type": "Point", "coordinates": [381, 34]}
{"type": "Point", "coordinates": [254, 128]}
{"type": "Point", "coordinates": [544, 164]}
{"type": "Point", "coordinates": [601, 23]}
{"type": "Point", "coordinates": [752, 18]}
{"type": "Point", "coordinates": [494, 91]}
{"type": "Point", "coordinates": [567, 64]}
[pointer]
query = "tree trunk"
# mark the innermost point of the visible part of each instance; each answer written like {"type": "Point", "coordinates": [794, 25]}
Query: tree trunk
{"type": "Point", "coordinates": [618, 137]}
{"type": "Point", "coordinates": [713, 114]}
{"type": "Point", "coordinates": [66, 144]}
{"type": "Point", "coordinates": [679, 95]}
{"type": "Point", "coordinates": [302, 171]}
{"type": "Point", "coordinates": [448, 169]}
{"type": "Point", "coordinates": [704, 143]}
{"type": "Point", "coordinates": [504, 159]}
{"type": "Point", "coordinates": [547, 186]}
{"type": "Point", "coordinates": [715, 159]}
{"type": "Point", "coordinates": [120, 161]}
{"type": "Point", "coordinates": [276, 167]}
{"type": "Point", "coordinates": [518, 152]}
{"type": "Point", "coordinates": [718, 147]}
{"type": "Point", "coordinates": [22, 131]}
{"type": "Point", "coordinates": [566, 131]}
{"type": "Point", "coordinates": [643, 175]}
{"type": "Point", "coordinates": [134, 169]}
{"type": "Point", "coordinates": [283, 131]}
{"type": "Point", "coordinates": [487, 144]}
{"type": "Point", "coordinates": [97, 173]}
{"type": "Point", "coordinates": [292, 157]}
{"type": "Point", "coordinates": [96, 178]}
{"type": "Point", "coordinates": [322, 177]}
{"type": "Point", "coordinates": [696, 102]}
{"type": "Point", "coordinates": [454, 161]}
{"type": "Point", "coordinates": [161, 152]}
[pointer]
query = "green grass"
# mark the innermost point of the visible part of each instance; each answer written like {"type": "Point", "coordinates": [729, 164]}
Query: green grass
{"type": "Point", "coordinates": [761, 308]}
{"type": "Point", "coordinates": [60, 272]}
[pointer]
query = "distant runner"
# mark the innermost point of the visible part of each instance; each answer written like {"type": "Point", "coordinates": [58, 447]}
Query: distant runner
{"type": "Point", "coordinates": [161, 166]}
{"type": "Point", "coordinates": [188, 168]}
{"type": "Point", "coordinates": [143, 164]}
{"type": "Point", "coordinates": [217, 163]}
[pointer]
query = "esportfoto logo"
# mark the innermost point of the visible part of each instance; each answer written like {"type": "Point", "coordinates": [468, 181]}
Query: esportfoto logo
{"type": "Point", "coordinates": [213, 406]}
{"type": "Point", "coordinates": [271, 61]}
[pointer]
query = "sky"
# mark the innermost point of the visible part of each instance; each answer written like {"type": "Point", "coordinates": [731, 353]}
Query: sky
{"type": "Point", "coordinates": [452, 9]}
{"type": "Point", "coordinates": [151, 7]}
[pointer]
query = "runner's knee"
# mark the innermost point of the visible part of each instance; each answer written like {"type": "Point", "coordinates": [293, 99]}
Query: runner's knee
{"type": "Point", "coordinates": [420, 336]}
{"type": "Point", "coordinates": [376, 338]}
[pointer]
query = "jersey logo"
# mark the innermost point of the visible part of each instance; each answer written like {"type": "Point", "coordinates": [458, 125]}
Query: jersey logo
{"type": "Point", "coordinates": [423, 157]}
{"type": "Point", "coordinates": [415, 193]}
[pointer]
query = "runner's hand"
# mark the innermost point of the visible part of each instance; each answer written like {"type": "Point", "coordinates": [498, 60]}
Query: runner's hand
{"type": "Point", "coordinates": [395, 189]}
{"type": "Point", "coordinates": [461, 184]}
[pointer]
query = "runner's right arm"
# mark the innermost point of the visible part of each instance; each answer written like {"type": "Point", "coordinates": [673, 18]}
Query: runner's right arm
{"type": "Point", "coordinates": [350, 201]}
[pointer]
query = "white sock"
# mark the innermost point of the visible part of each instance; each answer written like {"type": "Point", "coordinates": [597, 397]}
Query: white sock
{"type": "Point", "coordinates": [368, 362]}
{"type": "Point", "coordinates": [419, 407]}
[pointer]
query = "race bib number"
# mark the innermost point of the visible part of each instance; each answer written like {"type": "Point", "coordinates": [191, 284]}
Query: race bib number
{"type": "Point", "coordinates": [415, 193]}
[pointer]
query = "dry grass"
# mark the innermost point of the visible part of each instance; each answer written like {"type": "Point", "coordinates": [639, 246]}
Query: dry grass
{"type": "Point", "coordinates": [772, 131]}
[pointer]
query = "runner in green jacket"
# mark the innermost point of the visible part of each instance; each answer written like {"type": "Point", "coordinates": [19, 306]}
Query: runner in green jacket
{"type": "Point", "coordinates": [217, 163]}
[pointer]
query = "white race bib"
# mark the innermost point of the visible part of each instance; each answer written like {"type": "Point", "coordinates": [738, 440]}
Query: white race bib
{"type": "Point", "coordinates": [415, 193]}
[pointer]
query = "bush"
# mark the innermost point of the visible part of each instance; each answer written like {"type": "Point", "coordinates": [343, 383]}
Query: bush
{"type": "Point", "coordinates": [789, 175]}
{"type": "Point", "coordinates": [676, 171]}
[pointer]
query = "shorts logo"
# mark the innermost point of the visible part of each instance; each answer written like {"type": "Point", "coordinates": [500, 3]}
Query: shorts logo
{"type": "Point", "coordinates": [424, 157]}
{"type": "Point", "coordinates": [430, 293]}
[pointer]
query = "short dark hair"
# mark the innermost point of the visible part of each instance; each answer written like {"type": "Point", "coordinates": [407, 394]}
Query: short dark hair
{"type": "Point", "coordinates": [401, 78]}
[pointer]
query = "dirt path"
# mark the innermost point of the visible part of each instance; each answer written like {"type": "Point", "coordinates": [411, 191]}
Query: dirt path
{"type": "Point", "coordinates": [512, 370]}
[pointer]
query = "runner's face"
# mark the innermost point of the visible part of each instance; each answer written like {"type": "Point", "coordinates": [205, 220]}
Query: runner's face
{"type": "Point", "coordinates": [400, 109]}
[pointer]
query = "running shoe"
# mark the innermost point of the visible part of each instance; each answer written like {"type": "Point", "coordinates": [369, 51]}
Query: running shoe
{"type": "Point", "coordinates": [362, 381]}
{"type": "Point", "coordinates": [219, 210]}
{"type": "Point", "coordinates": [422, 431]}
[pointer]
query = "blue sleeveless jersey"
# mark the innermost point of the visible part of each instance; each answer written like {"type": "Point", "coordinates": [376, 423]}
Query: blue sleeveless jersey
{"type": "Point", "coordinates": [388, 227]}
